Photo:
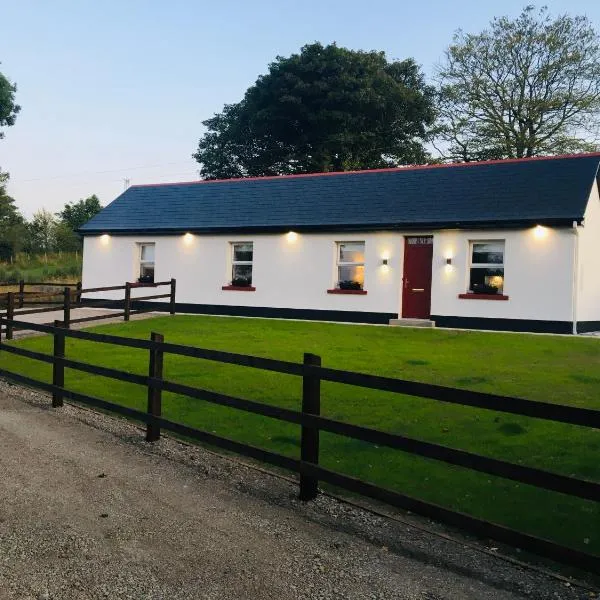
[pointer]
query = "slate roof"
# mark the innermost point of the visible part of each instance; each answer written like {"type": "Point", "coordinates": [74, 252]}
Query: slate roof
{"type": "Point", "coordinates": [551, 191]}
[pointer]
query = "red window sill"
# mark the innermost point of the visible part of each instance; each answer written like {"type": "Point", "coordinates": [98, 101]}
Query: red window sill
{"type": "Point", "coordinates": [482, 297]}
{"type": "Point", "coordinates": [349, 292]}
{"type": "Point", "coordinates": [239, 288]}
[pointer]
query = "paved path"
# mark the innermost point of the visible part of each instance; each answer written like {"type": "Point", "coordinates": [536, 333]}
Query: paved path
{"type": "Point", "coordinates": [76, 313]}
{"type": "Point", "coordinates": [88, 510]}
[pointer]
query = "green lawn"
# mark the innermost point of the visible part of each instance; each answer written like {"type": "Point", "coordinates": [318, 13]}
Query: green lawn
{"type": "Point", "coordinates": [65, 266]}
{"type": "Point", "coordinates": [547, 368]}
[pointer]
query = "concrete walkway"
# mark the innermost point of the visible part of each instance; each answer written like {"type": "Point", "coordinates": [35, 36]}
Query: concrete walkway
{"type": "Point", "coordinates": [76, 313]}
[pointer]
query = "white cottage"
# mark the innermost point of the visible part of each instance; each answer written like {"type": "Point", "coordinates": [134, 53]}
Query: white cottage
{"type": "Point", "coordinates": [506, 245]}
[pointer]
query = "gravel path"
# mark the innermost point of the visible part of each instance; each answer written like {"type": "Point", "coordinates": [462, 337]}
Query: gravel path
{"type": "Point", "coordinates": [88, 510]}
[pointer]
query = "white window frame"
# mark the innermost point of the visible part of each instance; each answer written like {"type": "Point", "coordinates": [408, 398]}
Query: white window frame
{"type": "Point", "coordinates": [339, 263]}
{"type": "Point", "coordinates": [142, 262]}
{"type": "Point", "coordinates": [235, 262]}
{"type": "Point", "coordinates": [473, 265]}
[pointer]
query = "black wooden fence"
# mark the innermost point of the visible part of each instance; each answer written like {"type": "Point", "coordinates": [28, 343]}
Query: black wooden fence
{"type": "Point", "coordinates": [312, 424]}
{"type": "Point", "coordinates": [73, 296]}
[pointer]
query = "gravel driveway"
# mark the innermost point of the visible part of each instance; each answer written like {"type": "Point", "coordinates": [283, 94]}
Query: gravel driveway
{"type": "Point", "coordinates": [88, 510]}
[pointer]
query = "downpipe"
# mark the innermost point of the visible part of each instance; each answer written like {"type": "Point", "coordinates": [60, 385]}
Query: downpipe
{"type": "Point", "coordinates": [575, 290]}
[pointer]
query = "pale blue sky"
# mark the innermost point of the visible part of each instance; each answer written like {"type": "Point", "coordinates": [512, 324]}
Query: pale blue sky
{"type": "Point", "coordinates": [119, 88]}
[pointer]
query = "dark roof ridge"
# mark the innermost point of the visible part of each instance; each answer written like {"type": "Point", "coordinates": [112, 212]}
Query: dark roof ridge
{"type": "Point", "coordinates": [365, 171]}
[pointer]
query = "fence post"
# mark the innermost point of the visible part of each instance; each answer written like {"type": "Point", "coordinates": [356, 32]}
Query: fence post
{"type": "Point", "coordinates": [21, 292]}
{"type": "Point", "coordinates": [172, 299]}
{"type": "Point", "coordinates": [67, 307]}
{"type": "Point", "coordinates": [10, 314]}
{"type": "Point", "coordinates": [309, 444]}
{"type": "Point", "coordinates": [127, 308]}
{"type": "Point", "coordinates": [155, 371]}
{"type": "Point", "coordinates": [78, 293]}
{"type": "Point", "coordinates": [58, 369]}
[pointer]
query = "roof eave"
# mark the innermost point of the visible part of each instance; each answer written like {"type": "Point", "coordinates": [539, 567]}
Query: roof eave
{"type": "Point", "coordinates": [342, 228]}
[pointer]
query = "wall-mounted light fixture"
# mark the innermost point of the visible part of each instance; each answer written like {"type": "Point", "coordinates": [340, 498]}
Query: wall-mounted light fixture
{"type": "Point", "coordinates": [104, 239]}
{"type": "Point", "coordinates": [292, 236]}
{"type": "Point", "coordinates": [384, 261]}
{"type": "Point", "coordinates": [188, 238]}
{"type": "Point", "coordinates": [448, 267]}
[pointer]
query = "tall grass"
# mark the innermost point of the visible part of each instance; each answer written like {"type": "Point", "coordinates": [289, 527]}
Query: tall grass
{"type": "Point", "coordinates": [65, 266]}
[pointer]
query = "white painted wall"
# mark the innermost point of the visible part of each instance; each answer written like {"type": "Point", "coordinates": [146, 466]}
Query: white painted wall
{"type": "Point", "coordinates": [537, 275]}
{"type": "Point", "coordinates": [588, 292]}
{"type": "Point", "coordinates": [538, 271]}
{"type": "Point", "coordinates": [286, 274]}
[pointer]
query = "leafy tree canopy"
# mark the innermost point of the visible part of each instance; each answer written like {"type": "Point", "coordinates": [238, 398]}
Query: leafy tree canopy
{"type": "Point", "coordinates": [12, 223]}
{"type": "Point", "coordinates": [324, 109]}
{"type": "Point", "coordinates": [76, 214]}
{"type": "Point", "coordinates": [524, 87]}
{"type": "Point", "coordinates": [8, 211]}
{"type": "Point", "coordinates": [8, 108]}
{"type": "Point", "coordinates": [41, 231]}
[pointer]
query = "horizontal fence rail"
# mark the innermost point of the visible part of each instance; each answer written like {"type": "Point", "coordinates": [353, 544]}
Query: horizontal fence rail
{"type": "Point", "coordinates": [72, 296]}
{"type": "Point", "coordinates": [312, 423]}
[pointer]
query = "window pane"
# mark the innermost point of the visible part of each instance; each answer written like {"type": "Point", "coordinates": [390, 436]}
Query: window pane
{"type": "Point", "coordinates": [489, 253]}
{"type": "Point", "coordinates": [352, 252]}
{"type": "Point", "coordinates": [147, 273]}
{"type": "Point", "coordinates": [351, 277]}
{"type": "Point", "coordinates": [486, 281]}
{"type": "Point", "coordinates": [147, 254]}
{"type": "Point", "coordinates": [242, 252]}
{"type": "Point", "coordinates": [242, 275]}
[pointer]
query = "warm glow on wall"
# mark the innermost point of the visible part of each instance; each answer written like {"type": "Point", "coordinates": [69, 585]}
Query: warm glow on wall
{"type": "Point", "coordinates": [540, 232]}
{"type": "Point", "coordinates": [104, 239]}
{"type": "Point", "coordinates": [188, 238]}
{"type": "Point", "coordinates": [292, 236]}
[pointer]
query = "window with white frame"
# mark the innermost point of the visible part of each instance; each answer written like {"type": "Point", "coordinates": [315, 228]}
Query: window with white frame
{"type": "Point", "coordinates": [487, 267]}
{"type": "Point", "coordinates": [350, 265]}
{"type": "Point", "coordinates": [146, 261]}
{"type": "Point", "coordinates": [241, 263]}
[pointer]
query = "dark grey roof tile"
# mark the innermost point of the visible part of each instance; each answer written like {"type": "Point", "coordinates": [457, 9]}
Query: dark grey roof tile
{"type": "Point", "coordinates": [553, 189]}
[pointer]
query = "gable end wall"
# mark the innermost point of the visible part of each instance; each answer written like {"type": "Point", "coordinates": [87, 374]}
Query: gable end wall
{"type": "Point", "coordinates": [588, 278]}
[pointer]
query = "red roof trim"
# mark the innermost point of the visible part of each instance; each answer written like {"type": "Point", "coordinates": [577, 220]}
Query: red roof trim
{"type": "Point", "coordinates": [388, 170]}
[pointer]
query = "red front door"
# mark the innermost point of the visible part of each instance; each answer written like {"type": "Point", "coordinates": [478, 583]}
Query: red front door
{"type": "Point", "coordinates": [416, 282]}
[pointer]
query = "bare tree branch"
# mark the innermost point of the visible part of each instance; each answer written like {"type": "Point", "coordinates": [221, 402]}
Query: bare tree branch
{"type": "Point", "coordinates": [523, 87]}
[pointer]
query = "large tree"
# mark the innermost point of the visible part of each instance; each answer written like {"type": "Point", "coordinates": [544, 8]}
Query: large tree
{"type": "Point", "coordinates": [324, 109]}
{"type": "Point", "coordinates": [12, 224]}
{"type": "Point", "coordinates": [8, 107]}
{"type": "Point", "coordinates": [42, 231]}
{"type": "Point", "coordinates": [523, 87]}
